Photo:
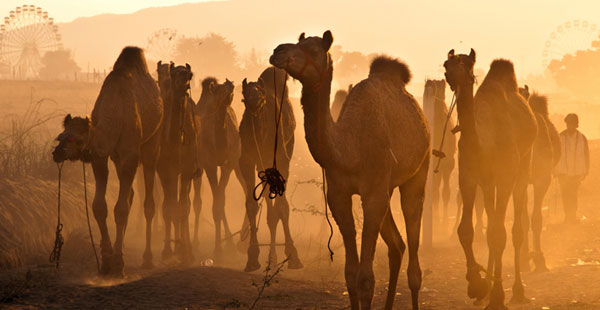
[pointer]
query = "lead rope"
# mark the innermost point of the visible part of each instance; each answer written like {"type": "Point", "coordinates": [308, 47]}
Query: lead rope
{"type": "Point", "coordinates": [272, 176]}
{"type": "Point", "coordinates": [87, 215]}
{"type": "Point", "coordinates": [327, 215]}
{"type": "Point", "coordinates": [439, 153]}
{"type": "Point", "coordinates": [58, 240]}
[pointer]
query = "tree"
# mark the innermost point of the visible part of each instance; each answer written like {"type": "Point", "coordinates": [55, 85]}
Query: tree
{"type": "Point", "coordinates": [58, 65]}
{"type": "Point", "coordinates": [211, 55]}
{"type": "Point", "coordinates": [578, 73]}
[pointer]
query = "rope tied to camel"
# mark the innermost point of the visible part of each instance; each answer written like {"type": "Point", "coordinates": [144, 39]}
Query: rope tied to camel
{"type": "Point", "coordinates": [59, 240]}
{"type": "Point", "coordinates": [327, 215]}
{"type": "Point", "coordinates": [439, 153]}
{"type": "Point", "coordinates": [271, 176]}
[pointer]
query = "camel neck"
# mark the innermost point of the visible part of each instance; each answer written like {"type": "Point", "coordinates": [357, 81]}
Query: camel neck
{"type": "Point", "coordinates": [319, 127]}
{"type": "Point", "coordinates": [464, 107]}
{"type": "Point", "coordinates": [177, 108]}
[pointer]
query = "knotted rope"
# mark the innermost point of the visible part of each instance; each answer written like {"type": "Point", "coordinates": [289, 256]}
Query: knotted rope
{"type": "Point", "coordinates": [439, 153]}
{"type": "Point", "coordinates": [58, 239]}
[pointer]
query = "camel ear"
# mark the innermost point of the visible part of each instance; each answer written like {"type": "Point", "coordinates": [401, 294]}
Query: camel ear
{"type": "Point", "coordinates": [67, 119]}
{"type": "Point", "coordinates": [244, 84]}
{"type": "Point", "coordinates": [526, 87]}
{"type": "Point", "coordinates": [158, 64]}
{"type": "Point", "coordinates": [187, 65]}
{"type": "Point", "coordinates": [301, 37]}
{"type": "Point", "coordinates": [327, 40]}
{"type": "Point", "coordinates": [172, 66]}
{"type": "Point", "coordinates": [350, 88]}
{"type": "Point", "coordinates": [261, 83]}
{"type": "Point", "coordinates": [472, 55]}
{"type": "Point", "coordinates": [451, 53]}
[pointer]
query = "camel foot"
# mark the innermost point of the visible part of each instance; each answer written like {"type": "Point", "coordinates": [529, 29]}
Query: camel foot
{"type": "Point", "coordinates": [272, 257]}
{"type": "Point", "coordinates": [478, 287]}
{"type": "Point", "coordinates": [499, 306]}
{"type": "Point", "coordinates": [519, 295]}
{"type": "Point", "coordinates": [540, 263]}
{"type": "Point", "coordinates": [292, 254]}
{"type": "Point", "coordinates": [117, 267]}
{"type": "Point", "coordinates": [252, 266]}
{"type": "Point", "coordinates": [147, 261]}
{"type": "Point", "coordinates": [105, 266]}
{"type": "Point", "coordinates": [166, 253]}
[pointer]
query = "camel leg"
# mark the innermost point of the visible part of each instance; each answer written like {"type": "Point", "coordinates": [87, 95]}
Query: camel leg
{"type": "Point", "coordinates": [100, 209]}
{"type": "Point", "coordinates": [477, 288]}
{"type": "Point", "coordinates": [435, 197]}
{"type": "Point", "coordinates": [340, 204]}
{"type": "Point", "coordinates": [168, 180]}
{"type": "Point", "coordinates": [479, 210]}
{"type": "Point", "coordinates": [412, 195]}
{"type": "Point", "coordinates": [524, 250]}
{"type": "Point", "coordinates": [247, 173]}
{"type": "Point", "coordinates": [149, 210]}
{"type": "Point", "coordinates": [375, 206]}
{"type": "Point", "coordinates": [446, 196]}
{"type": "Point", "coordinates": [497, 240]}
{"type": "Point", "coordinates": [126, 168]}
{"type": "Point", "coordinates": [283, 208]}
{"type": "Point", "coordinates": [183, 216]}
{"type": "Point", "coordinates": [539, 192]}
{"type": "Point", "coordinates": [223, 181]}
{"type": "Point", "coordinates": [272, 221]}
{"type": "Point", "coordinates": [197, 206]}
{"type": "Point", "coordinates": [393, 239]}
{"type": "Point", "coordinates": [520, 207]}
{"type": "Point", "coordinates": [217, 208]}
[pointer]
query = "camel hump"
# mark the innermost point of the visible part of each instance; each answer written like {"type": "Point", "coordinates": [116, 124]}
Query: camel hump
{"type": "Point", "coordinates": [390, 66]}
{"type": "Point", "coordinates": [131, 59]}
{"type": "Point", "coordinates": [267, 77]}
{"type": "Point", "coordinates": [207, 81]}
{"type": "Point", "coordinates": [503, 72]}
{"type": "Point", "coordinates": [539, 104]}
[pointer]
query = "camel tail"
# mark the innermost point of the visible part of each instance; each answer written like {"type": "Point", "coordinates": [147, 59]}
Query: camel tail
{"type": "Point", "coordinates": [539, 104]}
{"type": "Point", "coordinates": [131, 59]}
{"type": "Point", "coordinates": [390, 66]}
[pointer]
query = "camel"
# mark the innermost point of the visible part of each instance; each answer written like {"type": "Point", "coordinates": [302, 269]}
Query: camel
{"type": "Point", "coordinates": [257, 133]}
{"type": "Point", "coordinates": [221, 148]}
{"type": "Point", "coordinates": [437, 90]}
{"type": "Point", "coordinates": [546, 154]}
{"type": "Point", "coordinates": [125, 126]}
{"type": "Point", "coordinates": [178, 162]}
{"type": "Point", "coordinates": [380, 142]}
{"type": "Point", "coordinates": [497, 133]}
{"type": "Point", "coordinates": [338, 102]}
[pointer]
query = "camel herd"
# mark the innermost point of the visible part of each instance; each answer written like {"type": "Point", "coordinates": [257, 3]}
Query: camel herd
{"type": "Point", "coordinates": [375, 139]}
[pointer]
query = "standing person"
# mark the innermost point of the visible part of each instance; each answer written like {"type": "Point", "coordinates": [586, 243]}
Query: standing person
{"type": "Point", "coordinates": [573, 166]}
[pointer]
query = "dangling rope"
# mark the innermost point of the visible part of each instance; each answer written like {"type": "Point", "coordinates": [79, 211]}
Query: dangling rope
{"type": "Point", "coordinates": [327, 215]}
{"type": "Point", "coordinates": [58, 240]}
{"type": "Point", "coordinates": [439, 153]}
{"type": "Point", "coordinates": [87, 214]}
{"type": "Point", "coordinates": [271, 176]}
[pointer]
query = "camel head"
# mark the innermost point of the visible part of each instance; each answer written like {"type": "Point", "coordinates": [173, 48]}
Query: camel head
{"type": "Point", "coordinates": [180, 77]}
{"type": "Point", "coordinates": [436, 88]}
{"type": "Point", "coordinates": [72, 142]}
{"type": "Point", "coordinates": [308, 60]}
{"type": "Point", "coordinates": [459, 68]}
{"type": "Point", "coordinates": [164, 75]}
{"type": "Point", "coordinates": [524, 91]}
{"type": "Point", "coordinates": [254, 95]}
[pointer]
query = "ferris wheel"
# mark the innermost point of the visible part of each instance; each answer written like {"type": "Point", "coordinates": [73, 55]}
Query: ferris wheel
{"type": "Point", "coordinates": [161, 44]}
{"type": "Point", "coordinates": [567, 38]}
{"type": "Point", "coordinates": [26, 35]}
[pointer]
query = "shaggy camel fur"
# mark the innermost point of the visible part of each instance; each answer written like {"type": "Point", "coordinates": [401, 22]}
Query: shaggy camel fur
{"type": "Point", "coordinates": [221, 148]}
{"type": "Point", "coordinates": [546, 154]}
{"type": "Point", "coordinates": [338, 102]}
{"type": "Point", "coordinates": [125, 125]}
{"type": "Point", "coordinates": [436, 89]}
{"type": "Point", "coordinates": [178, 161]}
{"type": "Point", "coordinates": [380, 142]}
{"type": "Point", "coordinates": [257, 133]}
{"type": "Point", "coordinates": [497, 133]}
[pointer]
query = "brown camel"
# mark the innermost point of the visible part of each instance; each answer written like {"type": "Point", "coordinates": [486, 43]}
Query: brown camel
{"type": "Point", "coordinates": [546, 154]}
{"type": "Point", "coordinates": [338, 102]}
{"type": "Point", "coordinates": [125, 126]}
{"type": "Point", "coordinates": [178, 161]}
{"type": "Point", "coordinates": [436, 89]}
{"type": "Point", "coordinates": [257, 133]}
{"type": "Point", "coordinates": [380, 142]}
{"type": "Point", "coordinates": [497, 133]}
{"type": "Point", "coordinates": [221, 148]}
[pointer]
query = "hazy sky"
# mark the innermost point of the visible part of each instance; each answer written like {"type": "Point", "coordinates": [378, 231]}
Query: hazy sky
{"type": "Point", "coordinates": [68, 10]}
